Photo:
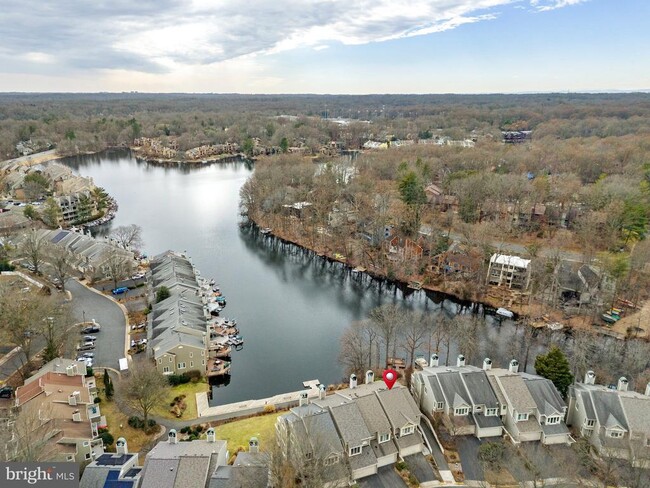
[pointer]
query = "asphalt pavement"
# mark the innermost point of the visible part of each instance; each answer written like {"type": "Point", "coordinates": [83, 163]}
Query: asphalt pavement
{"type": "Point", "coordinates": [87, 305]}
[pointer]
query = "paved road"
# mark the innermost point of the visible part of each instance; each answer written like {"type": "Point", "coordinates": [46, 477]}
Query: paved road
{"type": "Point", "coordinates": [87, 304]}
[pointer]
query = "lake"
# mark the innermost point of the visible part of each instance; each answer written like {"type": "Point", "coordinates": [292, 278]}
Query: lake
{"type": "Point", "coordinates": [291, 306]}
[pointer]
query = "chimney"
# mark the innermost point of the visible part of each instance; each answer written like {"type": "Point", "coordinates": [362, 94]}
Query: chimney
{"type": "Point", "coordinates": [322, 392]}
{"type": "Point", "coordinates": [171, 437]}
{"type": "Point", "coordinates": [353, 380]}
{"type": "Point", "coordinates": [253, 445]}
{"type": "Point", "coordinates": [487, 364]}
{"type": "Point", "coordinates": [460, 360]}
{"type": "Point", "coordinates": [304, 399]}
{"type": "Point", "coordinates": [514, 366]}
{"type": "Point", "coordinates": [647, 389]}
{"type": "Point", "coordinates": [433, 362]}
{"type": "Point", "coordinates": [590, 378]}
{"type": "Point", "coordinates": [210, 434]}
{"type": "Point", "coordinates": [370, 377]}
{"type": "Point", "coordinates": [622, 384]}
{"type": "Point", "coordinates": [121, 446]}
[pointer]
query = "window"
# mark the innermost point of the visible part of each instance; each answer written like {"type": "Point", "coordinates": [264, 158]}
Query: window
{"type": "Point", "coordinates": [522, 417]}
{"type": "Point", "coordinates": [440, 406]}
{"type": "Point", "coordinates": [552, 420]}
{"type": "Point", "coordinates": [409, 429]}
{"type": "Point", "coordinates": [355, 450]}
{"type": "Point", "coordinates": [191, 354]}
{"type": "Point", "coordinates": [202, 353]}
{"type": "Point", "coordinates": [166, 369]}
{"type": "Point", "coordinates": [191, 364]}
{"type": "Point", "coordinates": [159, 360]}
{"type": "Point", "coordinates": [330, 460]}
{"type": "Point", "coordinates": [478, 408]}
{"type": "Point", "coordinates": [181, 365]}
{"type": "Point", "coordinates": [615, 434]}
{"type": "Point", "coordinates": [87, 455]}
{"type": "Point", "coordinates": [70, 458]}
{"type": "Point", "coordinates": [461, 411]}
{"type": "Point", "coordinates": [590, 422]}
{"type": "Point", "coordinates": [171, 359]}
{"type": "Point", "coordinates": [384, 438]}
{"type": "Point", "coordinates": [203, 362]}
{"type": "Point", "coordinates": [491, 412]}
{"type": "Point", "coordinates": [647, 442]}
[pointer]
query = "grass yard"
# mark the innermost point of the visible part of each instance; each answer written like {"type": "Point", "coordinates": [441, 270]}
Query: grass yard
{"type": "Point", "coordinates": [118, 424]}
{"type": "Point", "coordinates": [239, 432]}
{"type": "Point", "coordinates": [189, 390]}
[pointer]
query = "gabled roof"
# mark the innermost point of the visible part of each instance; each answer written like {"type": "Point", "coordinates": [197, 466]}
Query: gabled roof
{"type": "Point", "coordinates": [453, 388]}
{"type": "Point", "coordinates": [373, 415]}
{"type": "Point", "coordinates": [545, 395]}
{"type": "Point", "coordinates": [608, 404]}
{"type": "Point", "coordinates": [479, 389]}
{"type": "Point", "coordinates": [436, 390]}
{"type": "Point", "coordinates": [351, 424]}
{"type": "Point", "coordinates": [637, 413]}
{"type": "Point", "coordinates": [459, 402]}
{"type": "Point", "coordinates": [516, 392]}
{"type": "Point", "coordinates": [613, 423]}
{"type": "Point", "coordinates": [399, 406]}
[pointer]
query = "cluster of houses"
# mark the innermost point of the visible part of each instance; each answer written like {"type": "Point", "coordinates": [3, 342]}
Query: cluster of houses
{"type": "Point", "coordinates": [492, 402]}
{"type": "Point", "coordinates": [209, 150]}
{"type": "Point", "coordinates": [54, 415]}
{"type": "Point", "coordinates": [153, 147]}
{"type": "Point", "coordinates": [95, 259]}
{"type": "Point", "coordinates": [353, 432]}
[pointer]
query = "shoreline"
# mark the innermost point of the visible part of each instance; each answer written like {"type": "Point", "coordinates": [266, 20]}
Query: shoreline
{"type": "Point", "coordinates": [221, 158]}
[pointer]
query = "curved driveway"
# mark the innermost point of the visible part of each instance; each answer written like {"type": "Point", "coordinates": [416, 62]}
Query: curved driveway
{"type": "Point", "coordinates": [92, 305]}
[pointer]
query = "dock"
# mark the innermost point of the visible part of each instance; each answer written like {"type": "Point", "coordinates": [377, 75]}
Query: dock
{"type": "Point", "coordinates": [218, 367]}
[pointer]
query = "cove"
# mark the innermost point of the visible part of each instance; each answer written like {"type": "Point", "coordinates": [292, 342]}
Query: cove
{"type": "Point", "coordinates": [291, 306]}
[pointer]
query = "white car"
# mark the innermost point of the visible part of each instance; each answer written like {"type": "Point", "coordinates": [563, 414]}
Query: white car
{"type": "Point", "coordinates": [137, 276]}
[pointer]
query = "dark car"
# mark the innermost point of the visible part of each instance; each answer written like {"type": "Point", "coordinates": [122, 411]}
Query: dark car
{"type": "Point", "coordinates": [91, 329]}
{"type": "Point", "coordinates": [120, 290]}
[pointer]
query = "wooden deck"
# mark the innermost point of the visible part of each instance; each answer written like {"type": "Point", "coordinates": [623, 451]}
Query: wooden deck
{"type": "Point", "coordinates": [218, 367]}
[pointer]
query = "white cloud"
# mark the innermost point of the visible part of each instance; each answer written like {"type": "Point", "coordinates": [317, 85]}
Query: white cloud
{"type": "Point", "coordinates": [163, 35]}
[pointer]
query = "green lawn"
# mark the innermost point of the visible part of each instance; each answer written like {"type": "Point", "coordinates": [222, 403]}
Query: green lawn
{"type": "Point", "coordinates": [239, 432]}
{"type": "Point", "coordinates": [189, 390]}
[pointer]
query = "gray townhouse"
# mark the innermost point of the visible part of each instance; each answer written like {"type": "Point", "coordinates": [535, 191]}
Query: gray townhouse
{"type": "Point", "coordinates": [374, 427]}
{"type": "Point", "coordinates": [177, 326]}
{"type": "Point", "coordinates": [614, 420]}
{"type": "Point", "coordinates": [488, 402]}
{"type": "Point", "coordinates": [462, 395]}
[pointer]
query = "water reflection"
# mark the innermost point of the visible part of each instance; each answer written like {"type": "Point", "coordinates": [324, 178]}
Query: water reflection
{"type": "Point", "coordinates": [291, 306]}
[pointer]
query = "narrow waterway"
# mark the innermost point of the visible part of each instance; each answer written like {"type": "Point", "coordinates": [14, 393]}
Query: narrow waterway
{"type": "Point", "coordinates": [291, 306]}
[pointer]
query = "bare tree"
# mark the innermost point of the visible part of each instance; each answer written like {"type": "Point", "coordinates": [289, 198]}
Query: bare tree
{"type": "Point", "coordinates": [118, 266]}
{"type": "Point", "coordinates": [385, 320]}
{"type": "Point", "coordinates": [63, 262]}
{"type": "Point", "coordinates": [31, 430]}
{"type": "Point", "coordinates": [32, 248]}
{"type": "Point", "coordinates": [353, 349]}
{"type": "Point", "coordinates": [144, 389]}
{"type": "Point", "coordinates": [23, 319]}
{"type": "Point", "coordinates": [128, 236]}
{"type": "Point", "coordinates": [412, 335]}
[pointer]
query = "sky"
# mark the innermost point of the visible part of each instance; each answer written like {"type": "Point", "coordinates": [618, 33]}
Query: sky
{"type": "Point", "coordinates": [324, 46]}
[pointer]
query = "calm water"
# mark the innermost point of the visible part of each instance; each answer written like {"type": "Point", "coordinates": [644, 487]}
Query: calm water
{"type": "Point", "coordinates": [291, 307]}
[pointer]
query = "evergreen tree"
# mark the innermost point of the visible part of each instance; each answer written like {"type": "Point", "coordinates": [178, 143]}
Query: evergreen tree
{"type": "Point", "coordinates": [555, 367]}
{"type": "Point", "coordinates": [108, 385]}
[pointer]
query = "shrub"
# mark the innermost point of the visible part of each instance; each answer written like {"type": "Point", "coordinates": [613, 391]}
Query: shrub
{"type": "Point", "coordinates": [176, 379]}
{"type": "Point", "coordinates": [185, 430]}
{"type": "Point", "coordinates": [136, 422]}
{"type": "Point", "coordinates": [400, 466]}
{"type": "Point", "coordinates": [97, 400]}
{"type": "Point", "coordinates": [107, 437]}
{"type": "Point", "coordinates": [269, 408]}
{"type": "Point", "coordinates": [162, 293]}
{"type": "Point", "coordinates": [193, 374]}
{"type": "Point", "coordinates": [151, 423]}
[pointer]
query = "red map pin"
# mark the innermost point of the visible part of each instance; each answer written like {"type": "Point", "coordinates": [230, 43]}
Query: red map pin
{"type": "Point", "coordinates": [390, 377]}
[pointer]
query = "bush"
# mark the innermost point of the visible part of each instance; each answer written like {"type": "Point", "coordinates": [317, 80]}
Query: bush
{"type": "Point", "coordinates": [136, 422]}
{"type": "Point", "coordinates": [400, 466]}
{"type": "Point", "coordinates": [177, 379]}
{"type": "Point", "coordinates": [185, 430]}
{"type": "Point", "coordinates": [151, 422]}
{"type": "Point", "coordinates": [89, 372]}
{"type": "Point", "coordinates": [97, 400]}
{"type": "Point", "coordinates": [194, 375]}
{"type": "Point", "coordinates": [269, 408]}
{"type": "Point", "coordinates": [162, 293]}
{"type": "Point", "coordinates": [107, 437]}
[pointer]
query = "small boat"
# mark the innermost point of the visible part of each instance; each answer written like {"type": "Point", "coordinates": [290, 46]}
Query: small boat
{"type": "Point", "coordinates": [212, 282]}
{"type": "Point", "coordinates": [609, 318]}
{"type": "Point", "coordinates": [504, 312]}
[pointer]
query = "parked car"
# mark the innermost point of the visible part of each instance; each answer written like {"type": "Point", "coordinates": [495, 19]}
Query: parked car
{"type": "Point", "coordinates": [137, 276]}
{"type": "Point", "coordinates": [120, 290]}
{"type": "Point", "coordinates": [87, 346]}
{"type": "Point", "coordinates": [90, 338]}
{"type": "Point", "coordinates": [91, 329]}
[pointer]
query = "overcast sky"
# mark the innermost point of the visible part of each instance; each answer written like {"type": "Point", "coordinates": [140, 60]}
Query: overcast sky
{"type": "Point", "coordinates": [324, 46]}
